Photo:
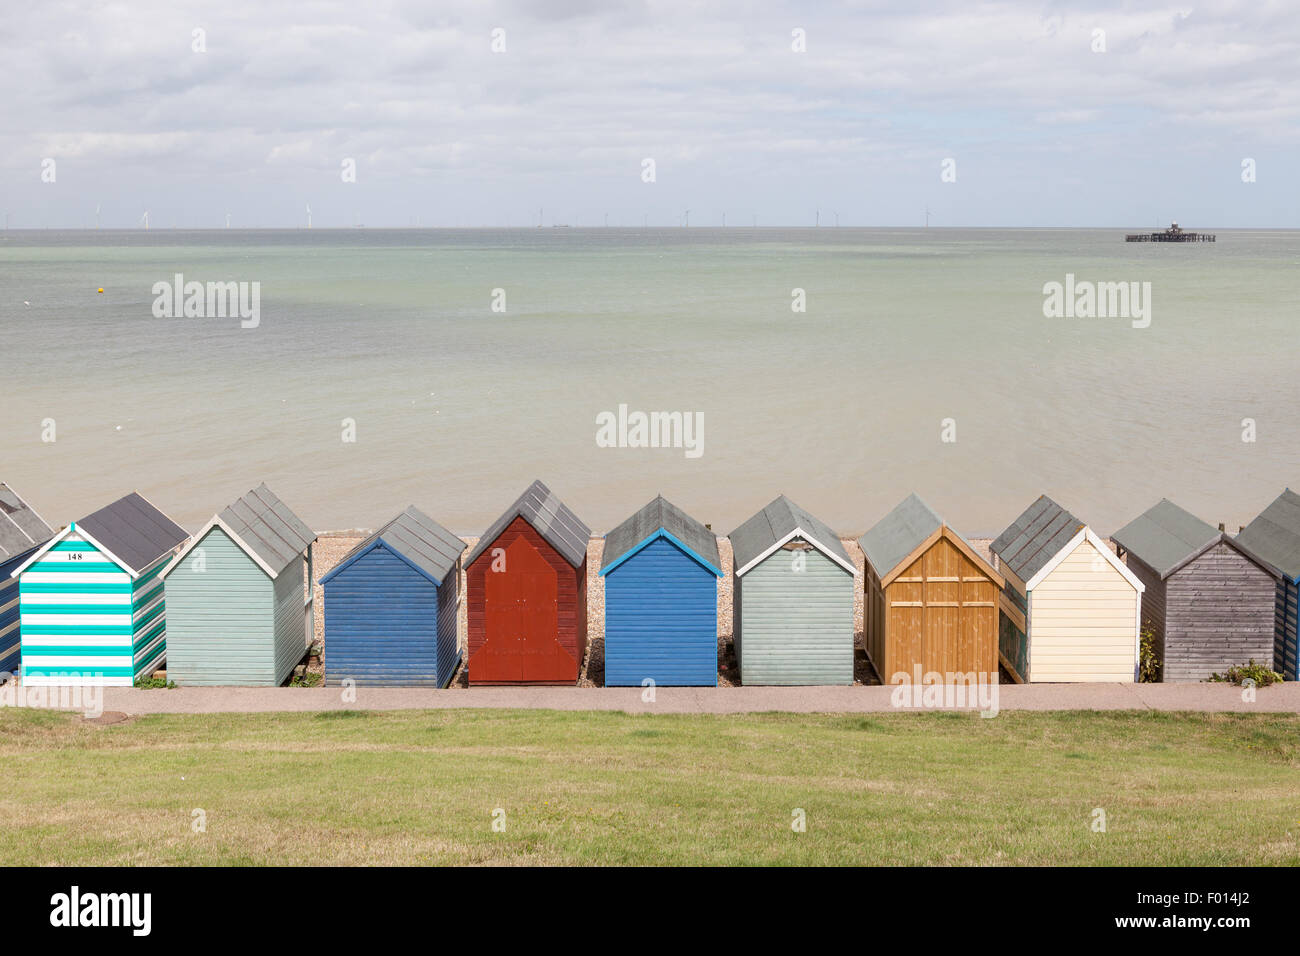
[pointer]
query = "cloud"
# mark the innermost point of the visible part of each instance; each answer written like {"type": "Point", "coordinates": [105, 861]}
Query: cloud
{"type": "Point", "coordinates": [585, 90]}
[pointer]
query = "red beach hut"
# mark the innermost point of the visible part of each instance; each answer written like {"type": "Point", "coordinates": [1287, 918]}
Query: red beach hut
{"type": "Point", "coordinates": [526, 582]}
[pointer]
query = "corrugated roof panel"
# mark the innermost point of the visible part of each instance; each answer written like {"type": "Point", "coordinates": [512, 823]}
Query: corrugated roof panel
{"type": "Point", "coordinates": [134, 530]}
{"type": "Point", "coordinates": [661, 514]}
{"type": "Point", "coordinates": [266, 525]}
{"type": "Point", "coordinates": [21, 528]}
{"type": "Point", "coordinates": [549, 517]}
{"type": "Point", "coordinates": [1275, 534]}
{"type": "Point", "coordinates": [1035, 537]}
{"type": "Point", "coordinates": [1165, 535]}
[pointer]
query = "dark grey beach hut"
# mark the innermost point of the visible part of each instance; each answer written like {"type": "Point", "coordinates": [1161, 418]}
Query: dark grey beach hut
{"type": "Point", "coordinates": [1209, 599]}
{"type": "Point", "coordinates": [792, 609]}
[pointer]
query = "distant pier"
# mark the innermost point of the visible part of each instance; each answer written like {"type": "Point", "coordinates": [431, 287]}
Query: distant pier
{"type": "Point", "coordinates": [1173, 234]}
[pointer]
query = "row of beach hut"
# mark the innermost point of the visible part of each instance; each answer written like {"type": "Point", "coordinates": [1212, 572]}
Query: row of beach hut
{"type": "Point", "coordinates": [109, 598]}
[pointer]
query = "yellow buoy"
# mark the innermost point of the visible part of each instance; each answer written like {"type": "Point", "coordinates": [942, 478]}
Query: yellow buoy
{"type": "Point", "coordinates": [101, 288]}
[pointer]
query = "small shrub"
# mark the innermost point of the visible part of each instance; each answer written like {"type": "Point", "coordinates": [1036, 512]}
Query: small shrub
{"type": "Point", "coordinates": [1148, 663]}
{"type": "Point", "coordinates": [309, 679]}
{"type": "Point", "coordinates": [154, 683]}
{"type": "Point", "coordinates": [1240, 673]}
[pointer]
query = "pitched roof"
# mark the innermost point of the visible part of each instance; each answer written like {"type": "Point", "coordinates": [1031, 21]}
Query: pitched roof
{"type": "Point", "coordinates": [1275, 534]}
{"type": "Point", "coordinates": [136, 532]}
{"type": "Point", "coordinates": [899, 533]}
{"type": "Point", "coordinates": [558, 526]}
{"type": "Point", "coordinates": [776, 524]}
{"type": "Point", "coordinates": [1035, 537]}
{"type": "Point", "coordinates": [661, 515]}
{"type": "Point", "coordinates": [263, 524]}
{"type": "Point", "coordinates": [21, 528]}
{"type": "Point", "coordinates": [1165, 536]}
{"type": "Point", "coordinates": [419, 539]}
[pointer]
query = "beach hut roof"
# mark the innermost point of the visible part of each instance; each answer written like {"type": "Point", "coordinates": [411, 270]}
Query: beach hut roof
{"type": "Point", "coordinates": [263, 526]}
{"type": "Point", "coordinates": [558, 526]}
{"type": "Point", "coordinates": [1166, 538]}
{"type": "Point", "coordinates": [133, 531]}
{"type": "Point", "coordinates": [21, 528]}
{"type": "Point", "coordinates": [1275, 534]}
{"type": "Point", "coordinates": [898, 535]}
{"type": "Point", "coordinates": [423, 543]}
{"type": "Point", "coordinates": [777, 524]}
{"type": "Point", "coordinates": [1037, 536]}
{"type": "Point", "coordinates": [661, 518]}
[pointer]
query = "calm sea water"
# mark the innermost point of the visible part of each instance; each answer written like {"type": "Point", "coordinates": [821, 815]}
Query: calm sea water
{"type": "Point", "coordinates": [841, 407]}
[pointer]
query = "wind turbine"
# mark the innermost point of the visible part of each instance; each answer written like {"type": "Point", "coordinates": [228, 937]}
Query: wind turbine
{"type": "Point", "coordinates": [97, 205]}
{"type": "Point", "coordinates": [145, 219]}
{"type": "Point", "coordinates": [308, 215]}
{"type": "Point", "coordinates": [686, 219]}
{"type": "Point", "coordinates": [227, 220]}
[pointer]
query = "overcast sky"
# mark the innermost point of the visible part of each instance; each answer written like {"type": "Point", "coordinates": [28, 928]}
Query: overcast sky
{"type": "Point", "coordinates": [1043, 130]}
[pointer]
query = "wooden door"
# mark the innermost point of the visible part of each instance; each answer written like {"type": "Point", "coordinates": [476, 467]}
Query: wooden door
{"type": "Point", "coordinates": [520, 618]}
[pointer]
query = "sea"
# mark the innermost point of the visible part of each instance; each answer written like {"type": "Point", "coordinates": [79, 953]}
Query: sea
{"type": "Point", "coordinates": [843, 367]}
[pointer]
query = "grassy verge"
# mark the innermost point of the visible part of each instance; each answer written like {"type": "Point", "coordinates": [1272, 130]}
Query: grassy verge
{"type": "Point", "coordinates": [421, 787]}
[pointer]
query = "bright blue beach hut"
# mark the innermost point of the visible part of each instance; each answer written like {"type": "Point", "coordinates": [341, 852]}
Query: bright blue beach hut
{"type": "Point", "coordinates": [391, 607]}
{"type": "Point", "coordinates": [661, 571]}
{"type": "Point", "coordinates": [22, 531]}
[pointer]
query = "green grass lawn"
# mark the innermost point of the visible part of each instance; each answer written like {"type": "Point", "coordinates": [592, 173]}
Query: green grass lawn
{"type": "Point", "coordinates": [421, 787]}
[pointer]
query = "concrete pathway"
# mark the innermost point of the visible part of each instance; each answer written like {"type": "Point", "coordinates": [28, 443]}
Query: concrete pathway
{"type": "Point", "coordinates": [1280, 698]}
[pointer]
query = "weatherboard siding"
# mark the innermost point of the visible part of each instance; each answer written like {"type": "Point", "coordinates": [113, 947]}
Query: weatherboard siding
{"type": "Point", "coordinates": [661, 620]}
{"type": "Point", "coordinates": [290, 596]}
{"type": "Point", "coordinates": [381, 623]}
{"type": "Point", "coordinates": [1083, 622]}
{"type": "Point", "coordinates": [83, 620]}
{"type": "Point", "coordinates": [449, 625]}
{"type": "Point", "coordinates": [798, 625]}
{"type": "Point", "coordinates": [219, 610]}
{"type": "Point", "coordinates": [1220, 612]}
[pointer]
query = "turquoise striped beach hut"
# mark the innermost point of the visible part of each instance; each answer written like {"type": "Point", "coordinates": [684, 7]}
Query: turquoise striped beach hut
{"type": "Point", "coordinates": [91, 600]}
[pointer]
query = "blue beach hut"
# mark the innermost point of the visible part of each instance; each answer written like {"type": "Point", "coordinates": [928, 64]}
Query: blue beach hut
{"type": "Point", "coordinates": [391, 607]}
{"type": "Point", "coordinates": [22, 531]}
{"type": "Point", "coordinates": [661, 571]}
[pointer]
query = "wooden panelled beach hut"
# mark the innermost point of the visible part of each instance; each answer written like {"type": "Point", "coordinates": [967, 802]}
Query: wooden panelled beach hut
{"type": "Point", "coordinates": [22, 532]}
{"type": "Point", "coordinates": [1209, 599]}
{"type": "Point", "coordinates": [391, 607]}
{"type": "Point", "coordinates": [1275, 537]}
{"type": "Point", "coordinates": [931, 600]}
{"type": "Point", "coordinates": [239, 600]}
{"type": "Point", "coordinates": [1070, 608]}
{"type": "Point", "coordinates": [792, 602]}
{"type": "Point", "coordinates": [92, 597]}
{"type": "Point", "coordinates": [526, 584]}
{"type": "Point", "coordinates": [661, 570]}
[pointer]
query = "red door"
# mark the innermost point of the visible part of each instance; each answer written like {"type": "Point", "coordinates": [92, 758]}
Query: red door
{"type": "Point", "coordinates": [521, 622]}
